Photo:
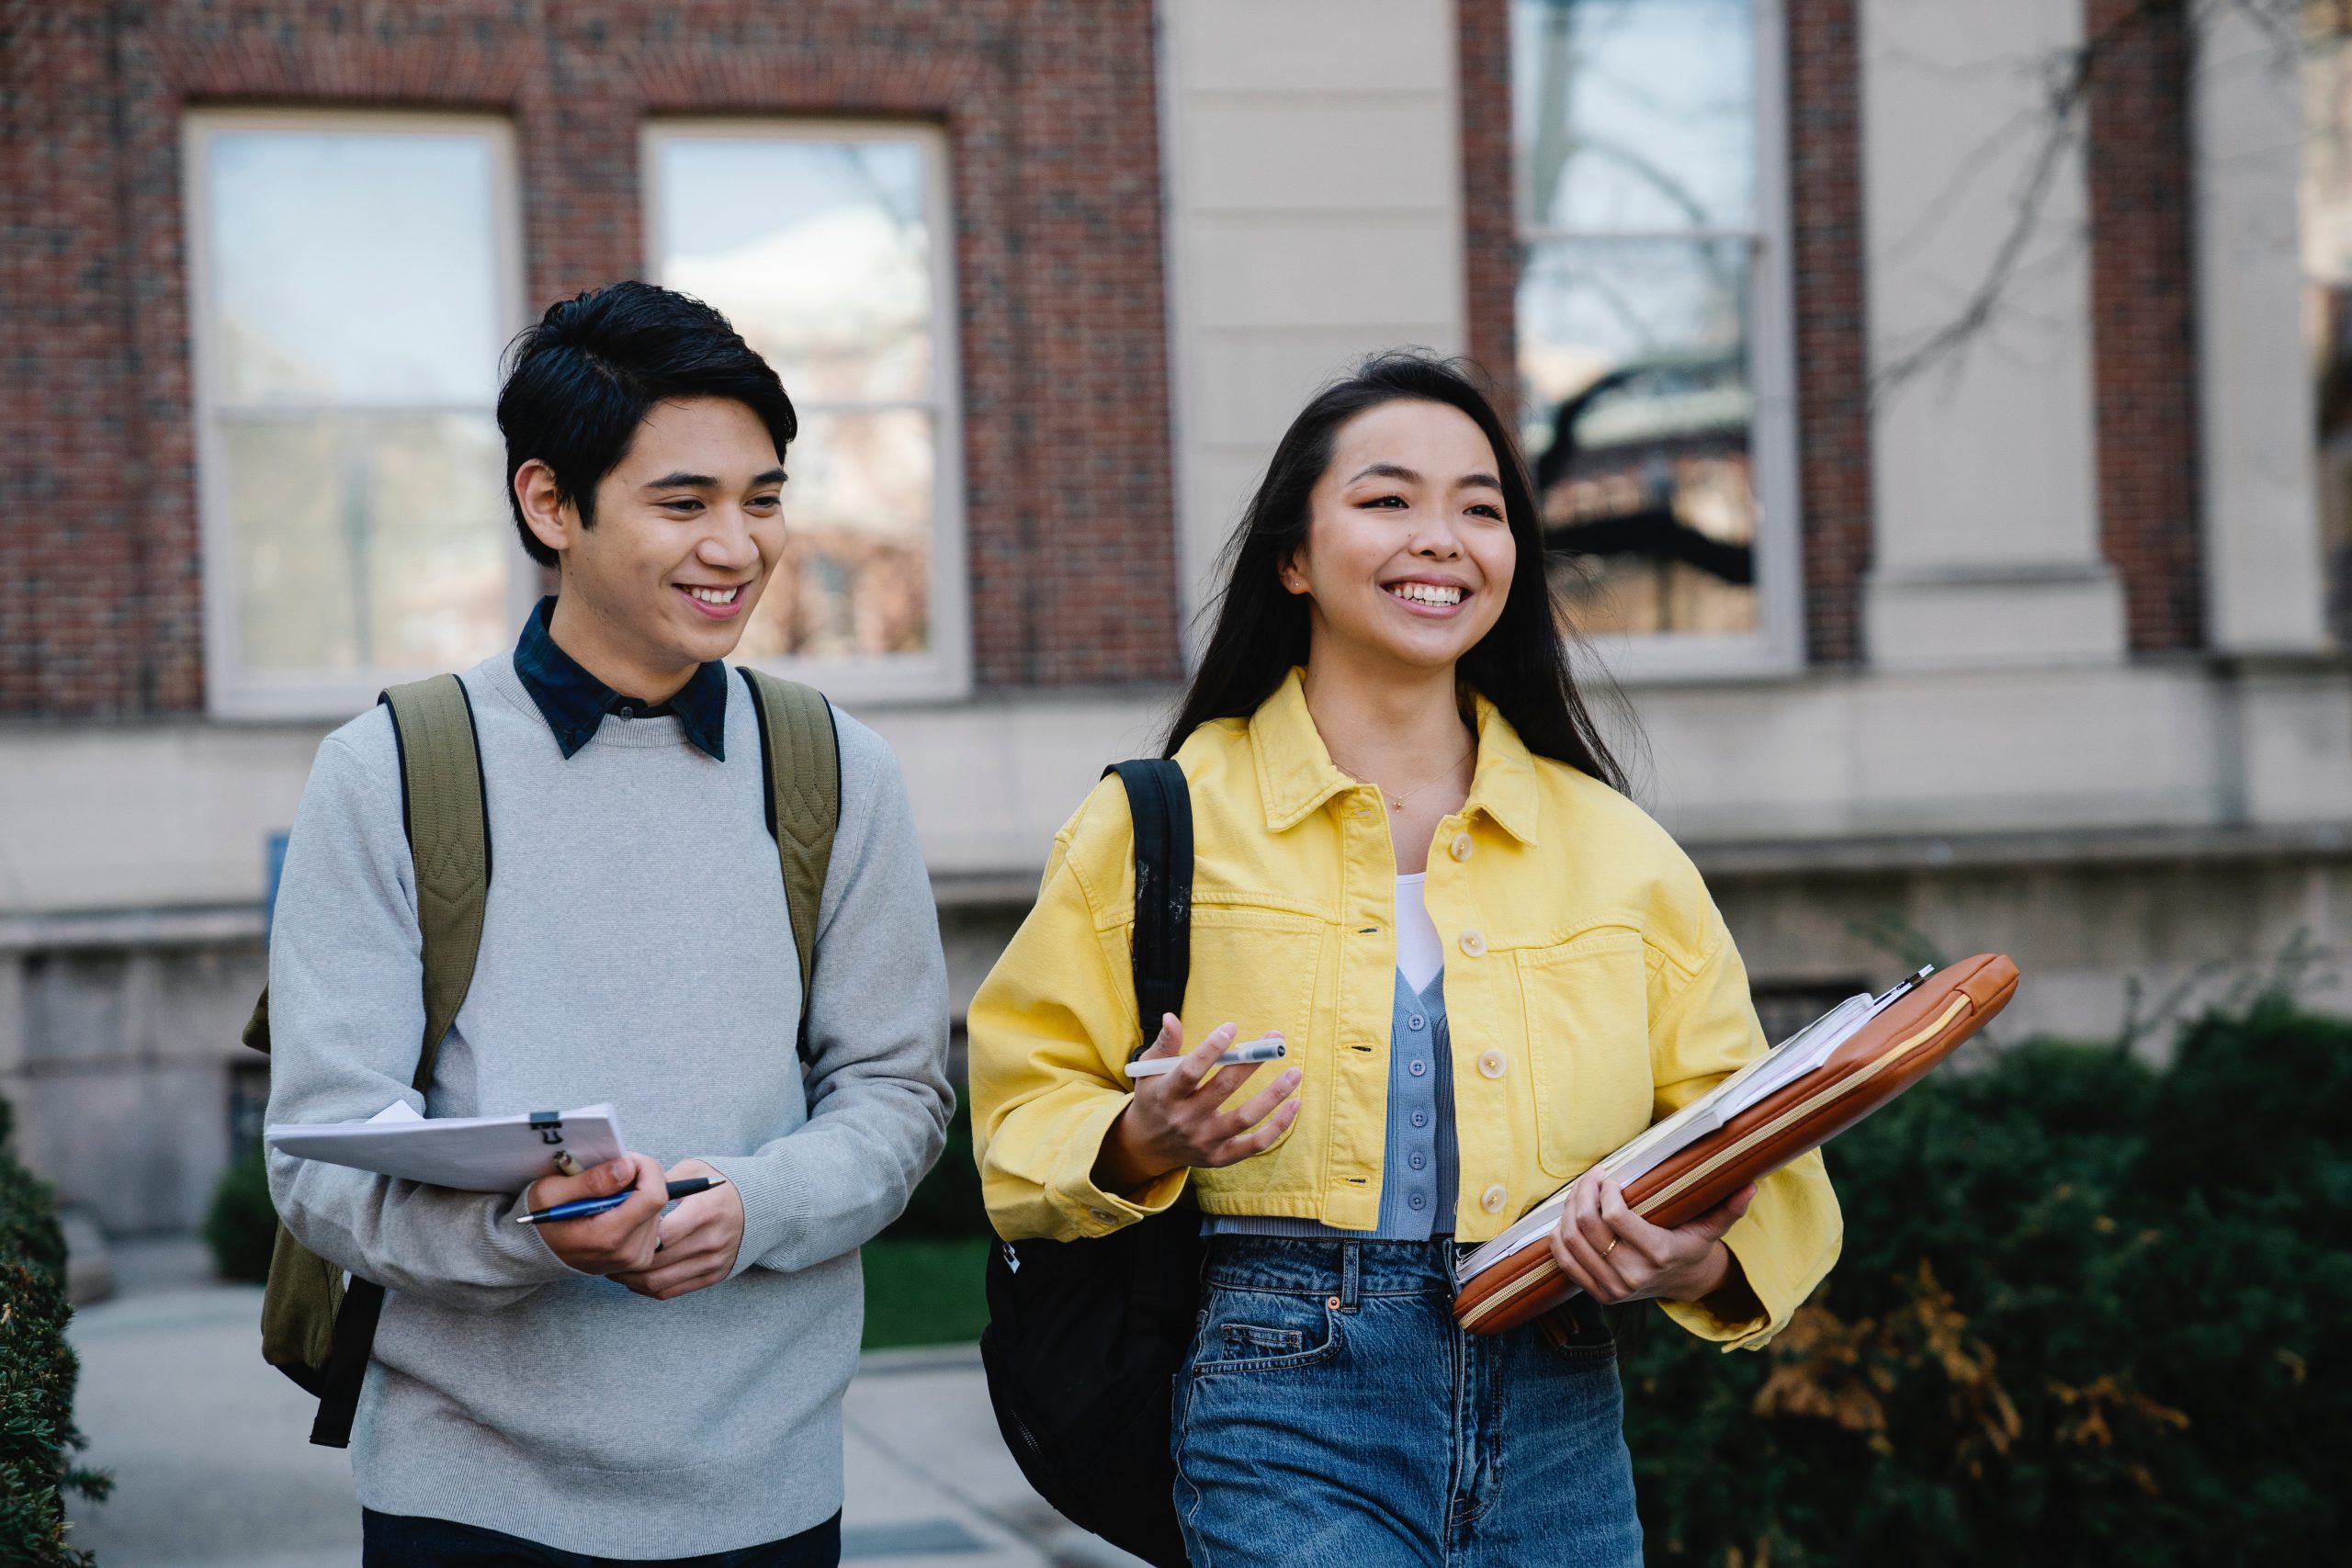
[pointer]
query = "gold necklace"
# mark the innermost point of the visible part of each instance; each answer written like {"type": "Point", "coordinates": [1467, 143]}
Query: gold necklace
{"type": "Point", "coordinates": [1396, 802]}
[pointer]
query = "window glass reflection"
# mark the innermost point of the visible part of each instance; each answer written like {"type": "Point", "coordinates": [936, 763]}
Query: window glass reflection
{"type": "Point", "coordinates": [350, 267]}
{"type": "Point", "coordinates": [1635, 114]}
{"type": "Point", "coordinates": [1637, 145]}
{"type": "Point", "coordinates": [365, 542]}
{"type": "Point", "coordinates": [857, 570]}
{"type": "Point", "coordinates": [819, 249]}
{"type": "Point", "coordinates": [351, 311]}
{"type": "Point", "coordinates": [2327, 274]}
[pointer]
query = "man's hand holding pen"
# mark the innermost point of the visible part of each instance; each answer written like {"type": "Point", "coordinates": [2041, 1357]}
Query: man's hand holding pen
{"type": "Point", "coordinates": [617, 1241]}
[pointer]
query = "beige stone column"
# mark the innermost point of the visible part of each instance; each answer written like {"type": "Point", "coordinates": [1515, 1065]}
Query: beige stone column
{"type": "Point", "coordinates": [1985, 545]}
{"type": "Point", "coordinates": [1313, 195]}
{"type": "Point", "coordinates": [2263, 586]}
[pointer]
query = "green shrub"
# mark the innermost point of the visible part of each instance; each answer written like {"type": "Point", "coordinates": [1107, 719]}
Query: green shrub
{"type": "Point", "coordinates": [946, 1203]}
{"type": "Point", "coordinates": [241, 1225]}
{"type": "Point", "coordinates": [2088, 1312]}
{"type": "Point", "coordinates": [924, 1290]}
{"type": "Point", "coordinates": [37, 1372]}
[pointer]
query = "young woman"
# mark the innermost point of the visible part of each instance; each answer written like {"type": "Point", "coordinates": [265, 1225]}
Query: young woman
{"type": "Point", "coordinates": [1414, 861]}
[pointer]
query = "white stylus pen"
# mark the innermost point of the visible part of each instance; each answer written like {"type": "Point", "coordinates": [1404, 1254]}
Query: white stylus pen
{"type": "Point", "coordinates": [1269, 1049]}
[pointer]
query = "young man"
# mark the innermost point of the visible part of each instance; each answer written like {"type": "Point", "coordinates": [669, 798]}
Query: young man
{"type": "Point", "coordinates": [642, 1386]}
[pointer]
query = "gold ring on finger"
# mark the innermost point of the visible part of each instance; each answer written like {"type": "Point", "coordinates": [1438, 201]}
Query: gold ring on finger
{"type": "Point", "coordinates": [1611, 1246]}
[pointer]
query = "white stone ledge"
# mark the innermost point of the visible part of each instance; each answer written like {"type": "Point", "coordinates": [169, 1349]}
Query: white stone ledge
{"type": "Point", "coordinates": [170, 819]}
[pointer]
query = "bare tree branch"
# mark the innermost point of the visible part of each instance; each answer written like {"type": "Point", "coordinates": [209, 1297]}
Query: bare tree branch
{"type": "Point", "coordinates": [2062, 122]}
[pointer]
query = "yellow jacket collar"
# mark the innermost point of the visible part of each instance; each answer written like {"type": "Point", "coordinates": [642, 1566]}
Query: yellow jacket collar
{"type": "Point", "coordinates": [1296, 773]}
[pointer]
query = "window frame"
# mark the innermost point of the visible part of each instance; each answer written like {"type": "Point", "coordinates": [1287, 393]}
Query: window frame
{"type": "Point", "coordinates": [1776, 648]}
{"type": "Point", "coordinates": [232, 692]}
{"type": "Point", "coordinates": [944, 671]}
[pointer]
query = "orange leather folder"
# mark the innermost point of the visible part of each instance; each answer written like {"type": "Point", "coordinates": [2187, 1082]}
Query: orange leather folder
{"type": "Point", "coordinates": [1883, 1056]}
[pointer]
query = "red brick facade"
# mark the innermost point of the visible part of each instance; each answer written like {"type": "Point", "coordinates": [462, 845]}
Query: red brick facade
{"type": "Point", "coordinates": [1825, 242]}
{"type": "Point", "coordinates": [1490, 224]}
{"type": "Point", "coordinates": [1050, 111]}
{"type": "Point", "coordinates": [2142, 316]}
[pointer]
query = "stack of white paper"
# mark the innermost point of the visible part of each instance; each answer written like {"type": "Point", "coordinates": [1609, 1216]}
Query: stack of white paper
{"type": "Point", "coordinates": [473, 1154]}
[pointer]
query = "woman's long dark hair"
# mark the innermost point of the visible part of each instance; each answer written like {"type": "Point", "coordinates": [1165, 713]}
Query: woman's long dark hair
{"type": "Point", "coordinates": [1520, 665]}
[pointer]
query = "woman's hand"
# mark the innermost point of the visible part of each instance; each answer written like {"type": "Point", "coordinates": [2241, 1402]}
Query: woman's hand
{"type": "Point", "coordinates": [1174, 1121]}
{"type": "Point", "coordinates": [1617, 1256]}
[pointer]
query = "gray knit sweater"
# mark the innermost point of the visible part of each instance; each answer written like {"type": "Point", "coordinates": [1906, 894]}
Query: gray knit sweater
{"type": "Point", "coordinates": [637, 950]}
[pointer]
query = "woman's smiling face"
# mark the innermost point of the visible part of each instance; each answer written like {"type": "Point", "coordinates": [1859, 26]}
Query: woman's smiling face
{"type": "Point", "coordinates": [1408, 553]}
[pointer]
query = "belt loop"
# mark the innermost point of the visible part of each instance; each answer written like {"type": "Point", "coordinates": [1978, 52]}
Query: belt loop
{"type": "Point", "coordinates": [1348, 1266]}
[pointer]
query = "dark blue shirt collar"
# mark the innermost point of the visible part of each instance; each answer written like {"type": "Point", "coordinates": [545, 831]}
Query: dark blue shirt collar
{"type": "Point", "coordinates": [574, 703]}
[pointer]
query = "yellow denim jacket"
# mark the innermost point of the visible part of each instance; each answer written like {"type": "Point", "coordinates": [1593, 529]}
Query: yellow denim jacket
{"type": "Point", "coordinates": [1590, 987]}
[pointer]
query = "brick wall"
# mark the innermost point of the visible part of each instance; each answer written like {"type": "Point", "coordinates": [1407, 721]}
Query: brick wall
{"type": "Point", "coordinates": [2143, 323]}
{"type": "Point", "coordinates": [1490, 237]}
{"type": "Point", "coordinates": [1832, 342]}
{"type": "Point", "coordinates": [1049, 107]}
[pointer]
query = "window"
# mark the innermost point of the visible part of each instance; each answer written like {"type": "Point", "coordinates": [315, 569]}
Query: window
{"type": "Point", "coordinates": [2327, 279]}
{"type": "Point", "coordinates": [353, 280]}
{"type": "Point", "coordinates": [828, 247]}
{"type": "Point", "coordinates": [1652, 318]}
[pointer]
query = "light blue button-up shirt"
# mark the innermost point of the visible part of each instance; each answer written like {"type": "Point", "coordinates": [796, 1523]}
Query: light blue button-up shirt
{"type": "Point", "coordinates": [1419, 1163]}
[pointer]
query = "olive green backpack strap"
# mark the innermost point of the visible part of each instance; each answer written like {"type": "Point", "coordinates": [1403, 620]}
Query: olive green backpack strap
{"type": "Point", "coordinates": [313, 1329]}
{"type": "Point", "coordinates": [802, 751]}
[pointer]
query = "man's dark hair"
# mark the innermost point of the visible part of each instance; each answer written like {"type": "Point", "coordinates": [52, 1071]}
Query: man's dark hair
{"type": "Point", "coordinates": [580, 383]}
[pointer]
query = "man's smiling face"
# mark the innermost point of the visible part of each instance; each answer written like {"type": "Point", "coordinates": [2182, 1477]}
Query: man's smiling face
{"type": "Point", "coordinates": [688, 528]}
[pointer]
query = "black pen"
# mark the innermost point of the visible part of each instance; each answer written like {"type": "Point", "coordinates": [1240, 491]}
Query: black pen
{"type": "Point", "coordinates": [585, 1208]}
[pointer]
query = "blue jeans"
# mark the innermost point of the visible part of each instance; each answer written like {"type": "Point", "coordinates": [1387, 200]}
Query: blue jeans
{"type": "Point", "coordinates": [1330, 1416]}
{"type": "Point", "coordinates": [405, 1540]}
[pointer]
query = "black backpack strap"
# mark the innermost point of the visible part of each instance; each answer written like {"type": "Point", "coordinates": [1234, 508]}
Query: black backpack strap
{"type": "Point", "coordinates": [1161, 804]}
{"type": "Point", "coordinates": [445, 808]}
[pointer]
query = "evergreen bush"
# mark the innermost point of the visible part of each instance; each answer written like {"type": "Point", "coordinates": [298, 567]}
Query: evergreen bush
{"type": "Point", "coordinates": [36, 1373]}
{"type": "Point", "coordinates": [241, 1225]}
{"type": "Point", "coordinates": [945, 1203]}
{"type": "Point", "coordinates": [2090, 1311]}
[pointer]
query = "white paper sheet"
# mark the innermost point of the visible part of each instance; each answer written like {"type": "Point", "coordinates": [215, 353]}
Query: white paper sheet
{"type": "Point", "coordinates": [473, 1154]}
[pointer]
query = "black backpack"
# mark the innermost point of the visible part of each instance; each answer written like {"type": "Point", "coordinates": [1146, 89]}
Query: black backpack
{"type": "Point", "coordinates": [1085, 1338]}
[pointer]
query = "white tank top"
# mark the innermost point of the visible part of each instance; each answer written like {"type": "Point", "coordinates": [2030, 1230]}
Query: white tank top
{"type": "Point", "coordinates": [1420, 954]}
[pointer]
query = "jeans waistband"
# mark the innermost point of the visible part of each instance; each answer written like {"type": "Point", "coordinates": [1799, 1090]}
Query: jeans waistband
{"type": "Point", "coordinates": [1317, 1267]}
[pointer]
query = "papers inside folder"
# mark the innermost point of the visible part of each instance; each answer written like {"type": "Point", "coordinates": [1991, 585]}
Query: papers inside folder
{"type": "Point", "coordinates": [1800, 1053]}
{"type": "Point", "coordinates": [473, 1154]}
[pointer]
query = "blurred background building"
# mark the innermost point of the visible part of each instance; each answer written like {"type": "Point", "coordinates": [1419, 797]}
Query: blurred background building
{"type": "Point", "coordinates": [1944, 414]}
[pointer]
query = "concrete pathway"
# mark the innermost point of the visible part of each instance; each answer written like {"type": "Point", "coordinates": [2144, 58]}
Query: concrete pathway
{"type": "Point", "coordinates": [212, 1468]}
